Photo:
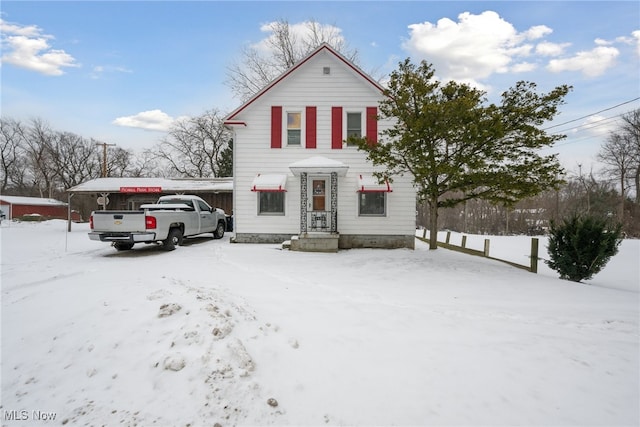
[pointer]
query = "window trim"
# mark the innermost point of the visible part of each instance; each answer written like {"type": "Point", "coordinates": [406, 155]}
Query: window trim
{"type": "Point", "coordinates": [285, 127]}
{"type": "Point", "coordinates": [363, 124]}
{"type": "Point", "coordinates": [365, 215]}
{"type": "Point", "coordinates": [259, 205]}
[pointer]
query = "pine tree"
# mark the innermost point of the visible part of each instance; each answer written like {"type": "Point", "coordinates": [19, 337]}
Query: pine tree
{"type": "Point", "coordinates": [581, 246]}
{"type": "Point", "coordinates": [458, 147]}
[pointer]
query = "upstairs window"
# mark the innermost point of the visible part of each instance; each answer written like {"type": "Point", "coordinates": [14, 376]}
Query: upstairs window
{"type": "Point", "coordinates": [354, 126]}
{"type": "Point", "coordinates": [294, 128]}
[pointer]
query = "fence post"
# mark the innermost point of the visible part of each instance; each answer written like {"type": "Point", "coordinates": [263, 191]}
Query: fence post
{"type": "Point", "coordinates": [464, 241]}
{"type": "Point", "coordinates": [424, 233]}
{"type": "Point", "coordinates": [486, 248]}
{"type": "Point", "coordinates": [534, 255]}
{"type": "Point", "coordinates": [448, 237]}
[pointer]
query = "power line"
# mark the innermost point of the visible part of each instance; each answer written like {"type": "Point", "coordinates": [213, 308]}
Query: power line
{"type": "Point", "coordinates": [593, 114]}
{"type": "Point", "coordinates": [591, 125]}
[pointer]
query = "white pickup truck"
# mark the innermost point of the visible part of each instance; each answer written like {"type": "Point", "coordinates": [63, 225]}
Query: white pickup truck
{"type": "Point", "coordinates": [168, 221]}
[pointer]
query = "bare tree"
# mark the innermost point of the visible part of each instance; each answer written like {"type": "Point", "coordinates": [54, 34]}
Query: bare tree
{"type": "Point", "coordinates": [39, 140]}
{"type": "Point", "coordinates": [617, 154]}
{"type": "Point", "coordinates": [144, 164]}
{"type": "Point", "coordinates": [194, 147]}
{"type": "Point", "coordinates": [12, 145]}
{"type": "Point", "coordinates": [74, 158]}
{"type": "Point", "coordinates": [284, 47]}
{"type": "Point", "coordinates": [631, 128]}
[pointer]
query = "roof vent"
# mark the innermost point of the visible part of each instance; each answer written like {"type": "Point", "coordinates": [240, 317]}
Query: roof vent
{"type": "Point", "coordinates": [326, 70]}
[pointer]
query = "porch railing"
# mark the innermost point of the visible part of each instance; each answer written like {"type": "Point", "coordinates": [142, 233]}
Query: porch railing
{"type": "Point", "coordinates": [319, 220]}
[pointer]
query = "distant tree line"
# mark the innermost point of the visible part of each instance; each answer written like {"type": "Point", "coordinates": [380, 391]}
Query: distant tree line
{"type": "Point", "coordinates": [612, 194]}
{"type": "Point", "coordinates": [38, 161]}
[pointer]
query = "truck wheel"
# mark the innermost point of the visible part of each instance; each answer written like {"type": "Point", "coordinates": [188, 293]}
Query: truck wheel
{"type": "Point", "coordinates": [120, 246]}
{"type": "Point", "coordinates": [173, 239]}
{"type": "Point", "coordinates": [219, 231]}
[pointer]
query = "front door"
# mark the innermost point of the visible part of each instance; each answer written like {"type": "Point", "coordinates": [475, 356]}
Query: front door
{"type": "Point", "coordinates": [319, 203]}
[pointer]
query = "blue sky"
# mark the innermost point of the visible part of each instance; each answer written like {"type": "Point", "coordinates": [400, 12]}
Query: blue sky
{"type": "Point", "coordinates": [120, 72]}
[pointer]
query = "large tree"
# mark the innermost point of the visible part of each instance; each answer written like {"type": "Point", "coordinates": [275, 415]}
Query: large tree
{"type": "Point", "coordinates": [620, 160]}
{"type": "Point", "coordinates": [457, 147]}
{"type": "Point", "coordinates": [621, 153]}
{"type": "Point", "coordinates": [12, 157]}
{"type": "Point", "coordinates": [286, 44]}
{"type": "Point", "coordinates": [197, 147]}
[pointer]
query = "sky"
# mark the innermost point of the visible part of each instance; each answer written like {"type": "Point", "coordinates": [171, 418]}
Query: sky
{"type": "Point", "coordinates": [210, 332]}
{"type": "Point", "coordinates": [122, 72]}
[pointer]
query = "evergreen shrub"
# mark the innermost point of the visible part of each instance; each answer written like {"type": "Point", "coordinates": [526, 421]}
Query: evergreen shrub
{"type": "Point", "coordinates": [581, 246]}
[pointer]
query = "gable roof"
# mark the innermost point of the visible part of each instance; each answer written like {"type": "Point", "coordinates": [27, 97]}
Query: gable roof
{"type": "Point", "coordinates": [230, 118]}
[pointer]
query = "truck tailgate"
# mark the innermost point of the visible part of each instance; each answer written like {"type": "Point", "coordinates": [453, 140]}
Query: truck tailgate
{"type": "Point", "coordinates": [118, 221]}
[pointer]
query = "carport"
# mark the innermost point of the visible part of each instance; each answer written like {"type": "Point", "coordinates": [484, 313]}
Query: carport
{"type": "Point", "coordinates": [130, 193]}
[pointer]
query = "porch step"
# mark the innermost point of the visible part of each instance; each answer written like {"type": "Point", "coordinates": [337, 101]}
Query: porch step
{"type": "Point", "coordinates": [314, 242]}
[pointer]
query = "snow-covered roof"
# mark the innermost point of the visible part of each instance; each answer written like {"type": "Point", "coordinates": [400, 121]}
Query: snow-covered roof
{"type": "Point", "coordinates": [152, 185]}
{"type": "Point", "coordinates": [369, 184]}
{"type": "Point", "coordinates": [319, 164]}
{"type": "Point", "coordinates": [35, 201]}
{"type": "Point", "coordinates": [269, 182]}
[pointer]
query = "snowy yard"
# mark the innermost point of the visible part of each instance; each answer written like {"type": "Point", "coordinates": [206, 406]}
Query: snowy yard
{"type": "Point", "coordinates": [212, 331]}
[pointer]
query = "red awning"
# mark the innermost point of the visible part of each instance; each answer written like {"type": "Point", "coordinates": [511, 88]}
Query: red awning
{"type": "Point", "coordinates": [370, 184]}
{"type": "Point", "coordinates": [273, 182]}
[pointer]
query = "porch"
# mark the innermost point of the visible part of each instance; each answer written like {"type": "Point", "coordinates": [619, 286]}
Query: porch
{"type": "Point", "coordinates": [313, 242]}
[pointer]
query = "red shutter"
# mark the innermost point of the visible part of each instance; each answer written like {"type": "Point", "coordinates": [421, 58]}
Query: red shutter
{"type": "Point", "coordinates": [372, 125]}
{"type": "Point", "coordinates": [310, 127]}
{"type": "Point", "coordinates": [276, 127]}
{"type": "Point", "coordinates": [336, 127]}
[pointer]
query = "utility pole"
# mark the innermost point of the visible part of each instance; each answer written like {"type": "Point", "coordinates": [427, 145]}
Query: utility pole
{"type": "Point", "coordinates": [104, 157]}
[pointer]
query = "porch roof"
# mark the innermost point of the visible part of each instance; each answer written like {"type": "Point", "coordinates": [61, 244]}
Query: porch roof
{"type": "Point", "coordinates": [318, 164]}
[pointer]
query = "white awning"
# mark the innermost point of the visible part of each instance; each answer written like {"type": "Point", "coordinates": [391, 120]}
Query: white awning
{"type": "Point", "coordinates": [369, 184]}
{"type": "Point", "coordinates": [269, 182]}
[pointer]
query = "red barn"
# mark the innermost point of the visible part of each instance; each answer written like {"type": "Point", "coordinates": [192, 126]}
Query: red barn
{"type": "Point", "coordinates": [18, 206]}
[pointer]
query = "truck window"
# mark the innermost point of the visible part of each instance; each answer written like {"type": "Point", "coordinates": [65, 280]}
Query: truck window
{"type": "Point", "coordinates": [203, 206]}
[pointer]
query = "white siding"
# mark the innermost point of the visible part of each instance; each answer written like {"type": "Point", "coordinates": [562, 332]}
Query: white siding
{"type": "Point", "coordinates": [308, 86]}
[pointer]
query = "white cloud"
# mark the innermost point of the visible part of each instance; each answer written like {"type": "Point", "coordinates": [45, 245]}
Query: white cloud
{"type": "Point", "coordinates": [537, 32]}
{"type": "Point", "coordinates": [591, 63]}
{"type": "Point", "coordinates": [149, 120]}
{"type": "Point", "coordinates": [636, 36]}
{"type": "Point", "coordinates": [597, 125]}
{"type": "Point", "coordinates": [99, 70]}
{"type": "Point", "coordinates": [473, 48]}
{"type": "Point", "coordinates": [27, 47]}
{"type": "Point", "coordinates": [523, 67]}
{"type": "Point", "coordinates": [551, 49]}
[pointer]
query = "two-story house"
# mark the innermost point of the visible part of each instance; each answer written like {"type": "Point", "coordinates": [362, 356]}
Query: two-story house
{"type": "Point", "coordinates": [295, 176]}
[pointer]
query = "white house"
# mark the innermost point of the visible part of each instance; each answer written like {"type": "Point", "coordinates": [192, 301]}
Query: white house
{"type": "Point", "coordinates": [295, 177]}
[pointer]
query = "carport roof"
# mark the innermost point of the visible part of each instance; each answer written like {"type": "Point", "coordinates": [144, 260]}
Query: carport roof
{"type": "Point", "coordinates": [155, 185]}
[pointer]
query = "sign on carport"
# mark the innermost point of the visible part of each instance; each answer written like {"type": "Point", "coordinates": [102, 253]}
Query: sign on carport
{"type": "Point", "coordinates": [141, 189]}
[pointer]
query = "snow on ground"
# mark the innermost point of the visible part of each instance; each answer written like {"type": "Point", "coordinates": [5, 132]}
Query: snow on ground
{"type": "Point", "coordinates": [241, 334]}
